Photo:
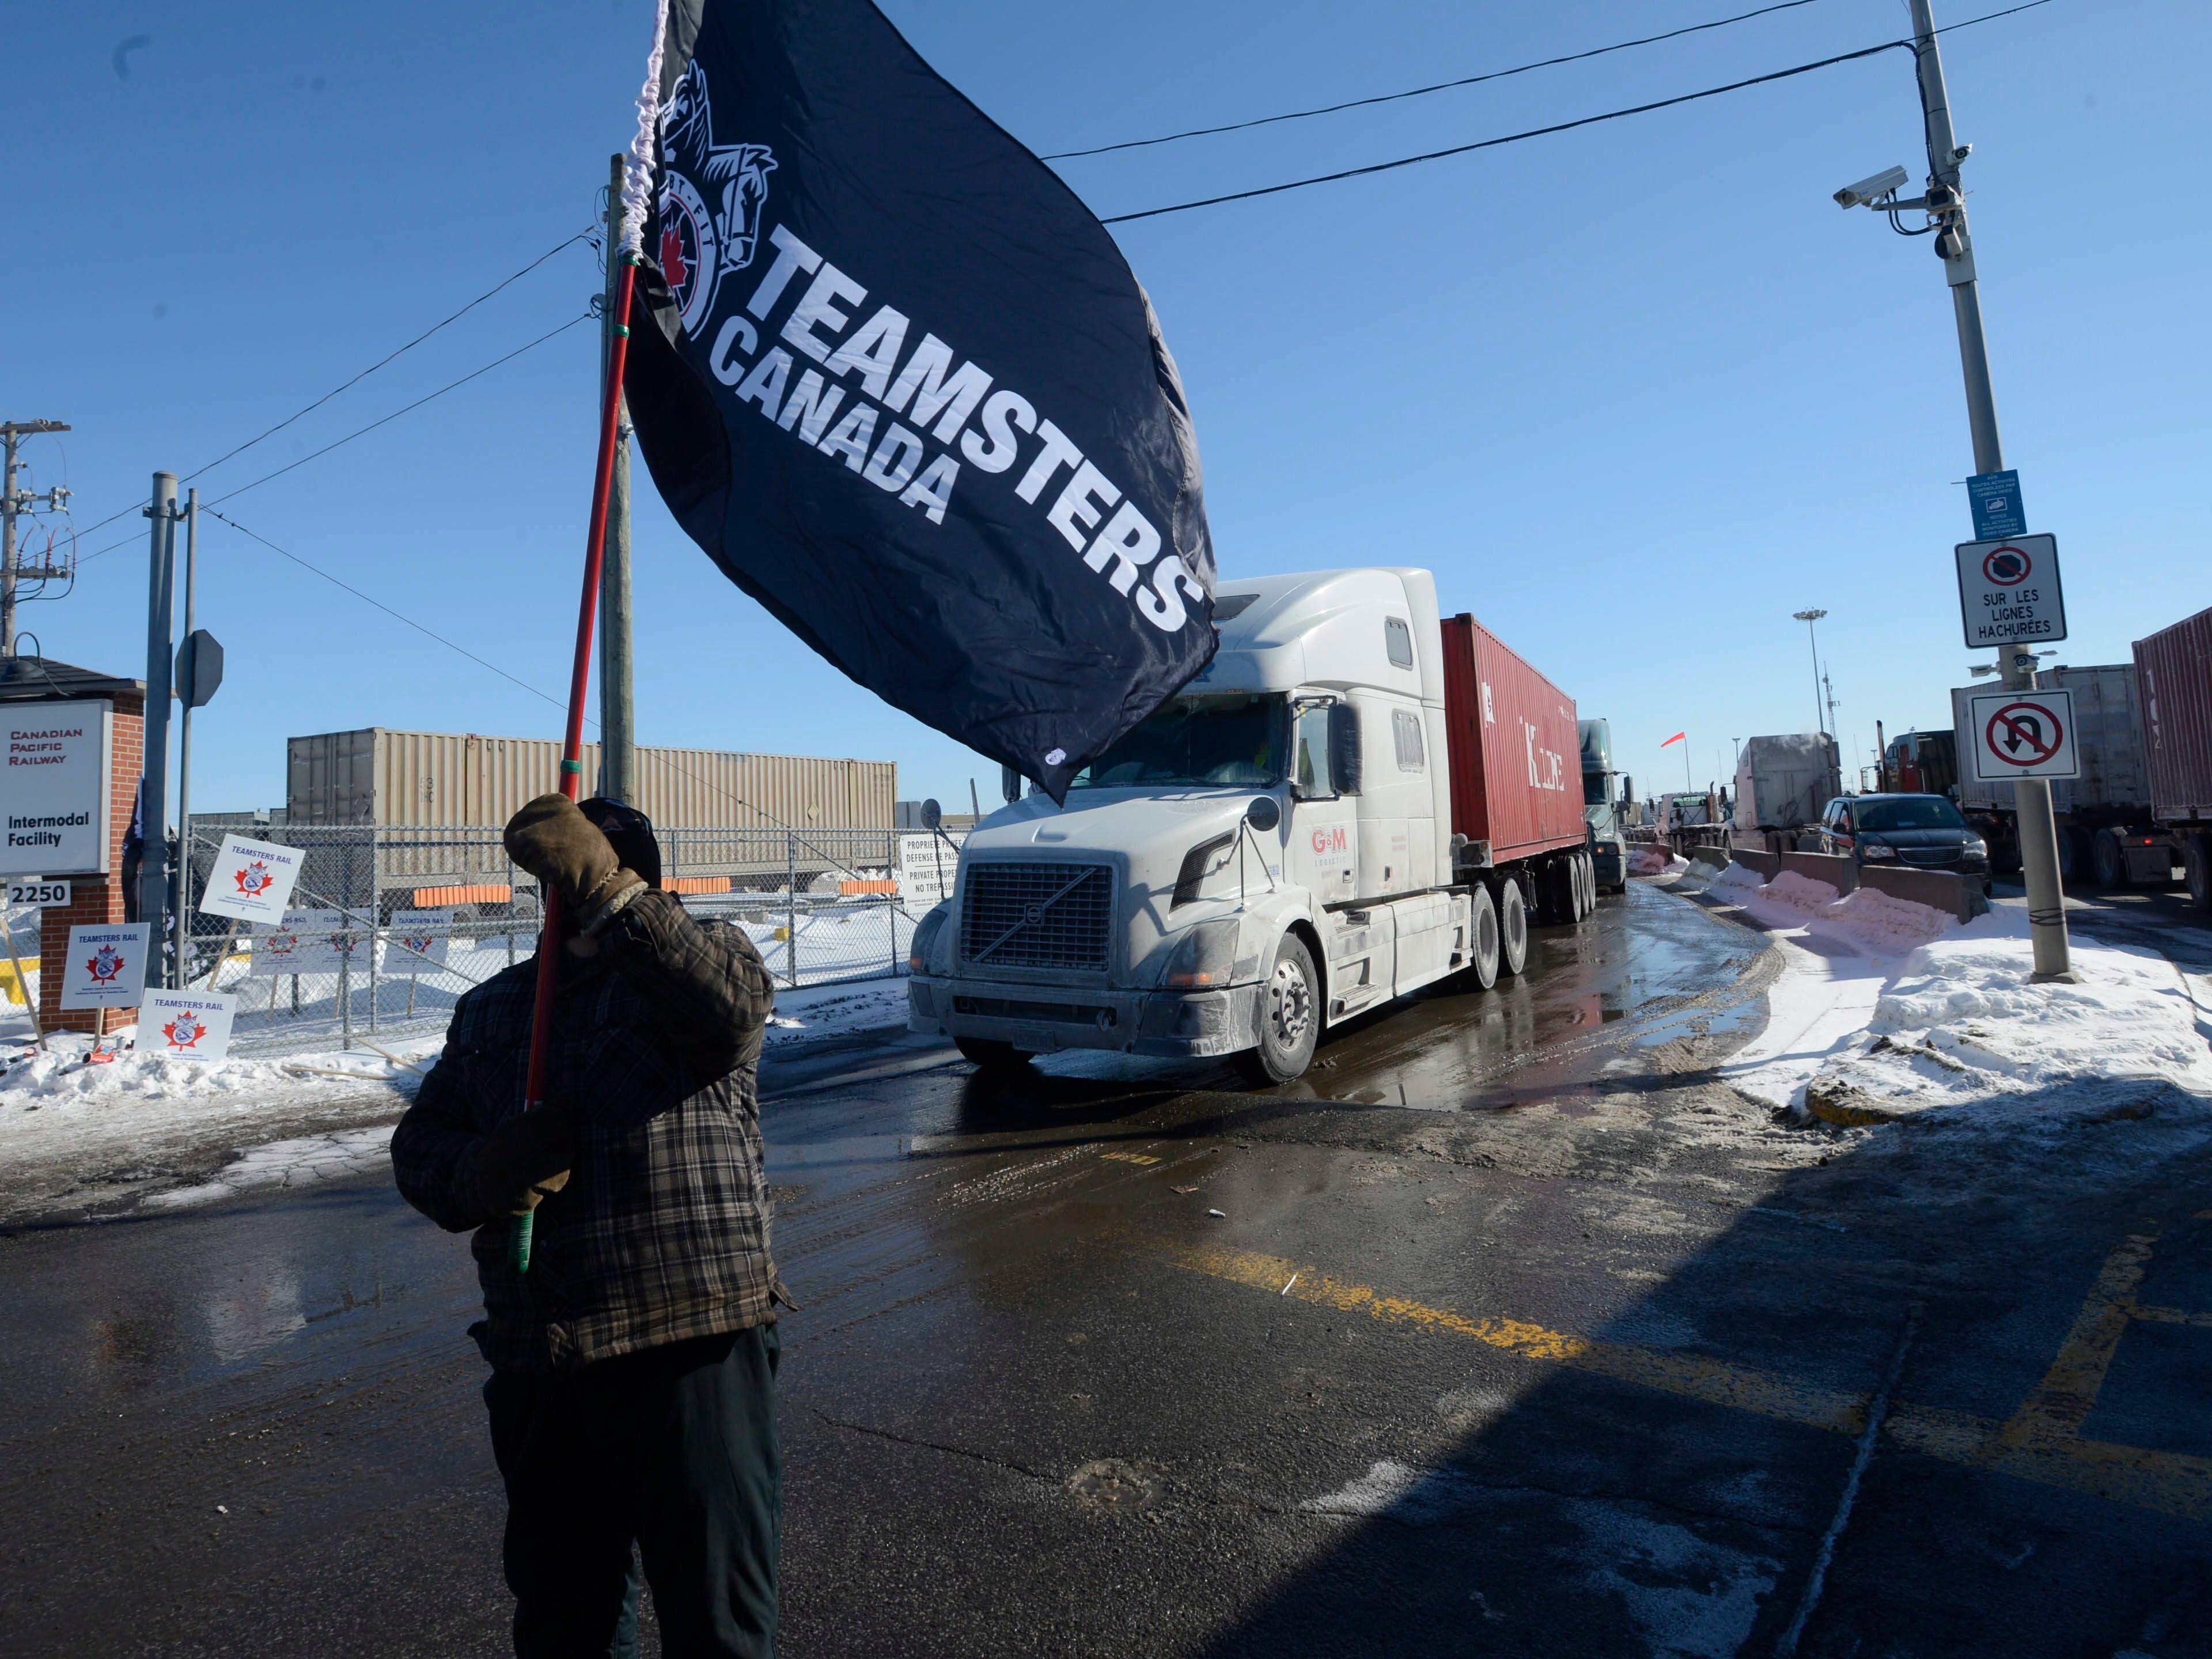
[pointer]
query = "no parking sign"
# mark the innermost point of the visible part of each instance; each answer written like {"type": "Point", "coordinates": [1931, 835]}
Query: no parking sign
{"type": "Point", "coordinates": [2023, 734]}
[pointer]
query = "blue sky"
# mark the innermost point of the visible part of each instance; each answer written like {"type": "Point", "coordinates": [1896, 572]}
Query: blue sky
{"type": "Point", "coordinates": [1635, 393]}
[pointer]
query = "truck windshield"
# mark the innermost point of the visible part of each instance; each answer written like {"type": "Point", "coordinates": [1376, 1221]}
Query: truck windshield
{"type": "Point", "coordinates": [1234, 740]}
{"type": "Point", "coordinates": [1593, 788]}
{"type": "Point", "coordinates": [1913, 812]}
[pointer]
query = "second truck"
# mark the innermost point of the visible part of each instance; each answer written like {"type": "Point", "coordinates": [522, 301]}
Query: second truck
{"type": "Point", "coordinates": [1359, 796]}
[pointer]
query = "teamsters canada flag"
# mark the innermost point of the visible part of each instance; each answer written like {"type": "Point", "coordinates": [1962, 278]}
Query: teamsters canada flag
{"type": "Point", "coordinates": [905, 391]}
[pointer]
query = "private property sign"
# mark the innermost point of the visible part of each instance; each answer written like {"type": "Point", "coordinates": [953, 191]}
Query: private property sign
{"type": "Point", "coordinates": [53, 790]}
{"type": "Point", "coordinates": [2023, 734]}
{"type": "Point", "coordinates": [2008, 592]}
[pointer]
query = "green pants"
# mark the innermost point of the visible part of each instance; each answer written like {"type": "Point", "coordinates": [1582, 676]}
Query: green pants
{"type": "Point", "coordinates": [669, 1453]}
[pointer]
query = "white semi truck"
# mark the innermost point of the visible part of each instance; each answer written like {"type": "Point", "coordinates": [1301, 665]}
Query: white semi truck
{"type": "Point", "coordinates": [1356, 798]}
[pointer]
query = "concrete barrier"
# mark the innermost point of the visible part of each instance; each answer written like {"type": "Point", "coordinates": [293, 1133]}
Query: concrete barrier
{"type": "Point", "coordinates": [1717, 857]}
{"type": "Point", "coordinates": [1939, 890]}
{"type": "Point", "coordinates": [1768, 865]}
{"type": "Point", "coordinates": [1840, 873]}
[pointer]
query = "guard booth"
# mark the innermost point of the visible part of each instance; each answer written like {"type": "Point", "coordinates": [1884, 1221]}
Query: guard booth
{"type": "Point", "coordinates": [75, 748]}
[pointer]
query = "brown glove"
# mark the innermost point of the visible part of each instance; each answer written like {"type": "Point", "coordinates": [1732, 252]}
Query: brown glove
{"type": "Point", "coordinates": [523, 1161]}
{"type": "Point", "coordinates": [561, 847]}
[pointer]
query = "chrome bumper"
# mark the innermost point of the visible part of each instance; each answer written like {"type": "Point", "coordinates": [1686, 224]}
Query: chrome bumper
{"type": "Point", "coordinates": [1044, 1019]}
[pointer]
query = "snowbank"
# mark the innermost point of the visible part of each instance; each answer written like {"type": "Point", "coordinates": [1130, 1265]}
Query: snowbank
{"type": "Point", "coordinates": [1649, 858]}
{"type": "Point", "coordinates": [1891, 1011]}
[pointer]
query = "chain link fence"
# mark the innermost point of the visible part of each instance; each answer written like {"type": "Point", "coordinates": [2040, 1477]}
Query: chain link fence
{"type": "Point", "coordinates": [391, 925]}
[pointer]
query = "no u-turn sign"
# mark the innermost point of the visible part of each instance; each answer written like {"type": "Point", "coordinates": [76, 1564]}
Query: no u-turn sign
{"type": "Point", "coordinates": [2023, 734]}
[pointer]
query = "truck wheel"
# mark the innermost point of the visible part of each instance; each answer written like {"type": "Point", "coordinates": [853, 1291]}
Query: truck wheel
{"type": "Point", "coordinates": [1483, 941]}
{"type": "Point", "coordinates": [2073, 854]}
{"type": "Point", "coordinates": [1586, 867]}
{"type": "Point", "coordinates": [1512, 927]}
{"type": "Point", "coordinates": [989, 1054]}
{"type": "Point", "coordinates": [1288, 1018]}
{"type": "Point", "coordinates": [2196, 862]}
{"type": "Point", "coordinates": [2109, 859]}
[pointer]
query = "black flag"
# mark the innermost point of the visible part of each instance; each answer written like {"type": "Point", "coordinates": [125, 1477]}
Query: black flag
{"type": "Point", "coordinates": [905, 391]}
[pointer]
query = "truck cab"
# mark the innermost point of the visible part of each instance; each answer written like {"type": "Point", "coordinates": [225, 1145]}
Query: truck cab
{"type": "Point", "coordinates": [1268, 853]}
{"type": "Point", "coordinates": [1604, 809]}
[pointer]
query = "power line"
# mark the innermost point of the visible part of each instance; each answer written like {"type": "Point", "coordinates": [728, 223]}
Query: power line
{"type": "Point", "coordinates": [1559, 126]}
{"type": "Point", "coordinates": [367, 599]}
{"type": "Point", "coordinates": [387, 420]}
{"type": "Point", "coordinates": [380, 362]}
{"type": "Point", "coordinates": [1422, 92]}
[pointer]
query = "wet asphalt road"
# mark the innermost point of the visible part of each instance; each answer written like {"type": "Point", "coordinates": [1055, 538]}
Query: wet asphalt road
{"type": "Point", "coordinates": [1520, 1332]}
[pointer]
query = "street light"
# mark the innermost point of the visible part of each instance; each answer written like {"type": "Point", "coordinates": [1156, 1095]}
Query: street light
{"type": "Point", "coordinates": [1808, 617]}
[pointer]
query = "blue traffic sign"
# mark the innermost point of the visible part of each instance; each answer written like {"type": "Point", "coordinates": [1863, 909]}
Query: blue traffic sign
{"type": "Point", "coordinates": [1997, 511]}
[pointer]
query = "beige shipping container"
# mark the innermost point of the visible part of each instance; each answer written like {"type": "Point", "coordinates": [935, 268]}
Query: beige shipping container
{"type": "Point", "coordinates": [452, 778]}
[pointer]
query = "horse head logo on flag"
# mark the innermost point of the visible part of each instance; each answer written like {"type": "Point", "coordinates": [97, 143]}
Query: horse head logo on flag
{"type": "Point", "coordinates": [185, 1031]}
{"type": "Point", "coordinates": [254, 879]}
{"type": "Point", "coordinates": [106, 966]}
{"type": "Point", "coordinates": [699, 244]}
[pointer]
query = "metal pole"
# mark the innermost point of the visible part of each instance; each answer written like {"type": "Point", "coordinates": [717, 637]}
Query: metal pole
{"type": "Point", "coordinates": [161, 650]}
{"type": "Point", "coordinates": [790, 908]}
{"type": "Point", "coordinates": [2039, 828]}
{"type": "Point", "coordinates": [184, 755]}
{"type": "Point", "coordinates": [7, 555]}
{"type": "Point", "coordinates": [617, 693]}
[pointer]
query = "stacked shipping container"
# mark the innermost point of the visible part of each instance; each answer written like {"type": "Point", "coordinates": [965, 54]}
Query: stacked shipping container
{"type": "Point", "coordinates": [436, 779]}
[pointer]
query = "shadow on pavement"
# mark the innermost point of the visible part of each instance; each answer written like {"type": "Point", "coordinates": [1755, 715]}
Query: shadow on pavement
{"type": "Point", "coordinates": [1662, 1483]}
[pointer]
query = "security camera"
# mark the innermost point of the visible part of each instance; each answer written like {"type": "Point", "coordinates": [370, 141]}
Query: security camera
{"type": "Point", "coordinates": [1961, 153]}
{"type": "Point", "coordinates": [1867, 191]}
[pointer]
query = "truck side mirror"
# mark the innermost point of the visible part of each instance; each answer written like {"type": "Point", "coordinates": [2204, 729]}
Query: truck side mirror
{"type": "Point", "coordinates": [1009, 784]}
{"type": "Point", "coordinates": [1627, 790]}
{"type": "Point", "coordinates": [933, 815]}
{"type": "Point", "coordinates": [1264, 813]}
{"type": "Point", "coordinates": [1344, 748]}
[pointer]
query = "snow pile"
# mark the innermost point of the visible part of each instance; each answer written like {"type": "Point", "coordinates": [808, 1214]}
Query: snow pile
{"type": "Point", "coordinates": [1790, 892]}
{"type": "Point", "coordinates": [1956, 1032]}
{"type": "Point", "coordinates": [1888, 927]}
{"type": "Point", "coordinates": [1739, 882]}
{"type": "Point", "coordinates": [814, 1013]}
{"type": "Point", "coordinates": [65, 1073]}
{"type": "Point", "coordinates": [1650, 859]}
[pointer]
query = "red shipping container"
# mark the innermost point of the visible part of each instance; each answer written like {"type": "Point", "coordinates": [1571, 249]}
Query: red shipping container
{"type": "Point", "coordinates": [2173, 682]}
{"type": "Point", "coordinates": [1516, 779]}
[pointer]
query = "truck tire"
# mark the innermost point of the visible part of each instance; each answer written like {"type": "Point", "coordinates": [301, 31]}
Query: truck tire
{"type": "Point", "coordinates": [2073, 854]}
{"type": "Point", "coordinates": [1286, 1022]}
{"type": "Point", "coordinates": [2197, 863]}
{"type": "Point", "coordinates": [1512, 927]}
{"type": "Point", "coordinates": [1483, 942]}
{"type": "Point", "coordinates": [989, 1054]}
{"type": "Point", "coordinates": [1586, 867]}
{"type": "Point", "coordinates": [2109, 859]}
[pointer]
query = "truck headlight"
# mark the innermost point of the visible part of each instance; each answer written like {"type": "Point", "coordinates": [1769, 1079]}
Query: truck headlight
{"type": "Point", "coordinates": [925, 938]}
{"type": "Point", "coordinates": [1875, 849]}
{"type": "Point", "coordinates": [1204, 957]}
{"type": "Point", "coordinates": [1202, 862]}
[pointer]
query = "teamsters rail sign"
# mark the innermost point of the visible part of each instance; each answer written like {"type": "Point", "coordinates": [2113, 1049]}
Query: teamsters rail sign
{"type": "Point", "coordinates": [905, 391]}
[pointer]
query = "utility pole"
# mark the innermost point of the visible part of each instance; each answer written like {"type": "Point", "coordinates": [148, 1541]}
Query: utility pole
{"type": "Point", "coordinates": [181, 909]}
{"type": "Point", "coordinates": [1947, 206]}
{"type": "Point", "coordinates": [618, 691]}
{"type": "Point", "coordinates": [161, 651]}
{"type": "Point", "coordinates": [12, 503]}
{"type": "Point", "coordinates": [1808, 617]}
{"type": "Point", "coordinates": [1828, 685]}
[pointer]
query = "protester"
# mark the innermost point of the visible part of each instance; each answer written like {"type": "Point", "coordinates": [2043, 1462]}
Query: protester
{"type": "Point", "coordinates": [632, 1392]}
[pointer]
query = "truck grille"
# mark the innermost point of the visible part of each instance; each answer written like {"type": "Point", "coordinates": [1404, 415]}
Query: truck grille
{"type": "Point", "coordinates": [1037, 915]}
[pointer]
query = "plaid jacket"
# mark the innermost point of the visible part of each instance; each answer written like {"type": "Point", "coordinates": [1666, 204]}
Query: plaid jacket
{"type": "Point", "coordinates": [662, 1232]}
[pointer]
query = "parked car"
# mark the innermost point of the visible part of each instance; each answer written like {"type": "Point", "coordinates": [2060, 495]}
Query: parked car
{"type": "Point", "coordinates": [1919, 832]}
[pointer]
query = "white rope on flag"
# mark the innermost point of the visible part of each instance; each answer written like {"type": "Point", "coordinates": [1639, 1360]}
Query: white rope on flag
{"type": "Point", "coordinates": [637, 172]}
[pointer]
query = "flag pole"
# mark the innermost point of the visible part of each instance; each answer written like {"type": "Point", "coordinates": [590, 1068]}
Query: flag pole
{"type": "Point", "coordinates": [572, 748]}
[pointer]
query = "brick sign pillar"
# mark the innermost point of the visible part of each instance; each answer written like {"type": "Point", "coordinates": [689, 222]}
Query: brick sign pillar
{"type": "Point", "coordinates": [26, 683]}
{"type": "Point", "coordinates": [96, 899]}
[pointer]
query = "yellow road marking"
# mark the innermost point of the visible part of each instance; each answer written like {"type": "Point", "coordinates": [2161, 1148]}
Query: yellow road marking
{"type": "Point", "coordinates": [2170, 1317]}
{"type": "Point", "coordinates": [2167, 1483]}
{"type": "Point", "coordinates": [1130, 1158]}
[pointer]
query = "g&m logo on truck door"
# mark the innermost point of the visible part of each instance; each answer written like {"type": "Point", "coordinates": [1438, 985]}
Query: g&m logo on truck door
{"type": "Point", "coordinates": [1332, 850]}
{"type": "Point", "coordinates": [1547, 767]}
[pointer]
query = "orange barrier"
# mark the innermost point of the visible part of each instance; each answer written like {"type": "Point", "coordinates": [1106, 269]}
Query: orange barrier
{"type": "Point", "coordinates": [849, 889]}
{"type": "Point", "coordinates": [695, 884]}
{"type": "Point", "coordinates": [432, 898]}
